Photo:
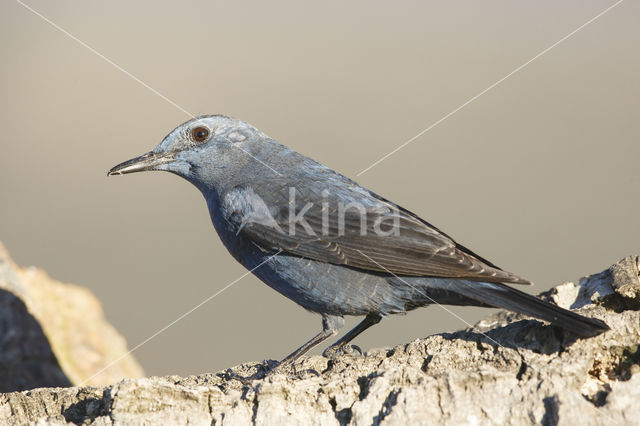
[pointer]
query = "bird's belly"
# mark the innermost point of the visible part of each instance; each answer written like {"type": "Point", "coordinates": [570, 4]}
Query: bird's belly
{"type": "Point", "coordinates": [332, 289]}
{"type": "Point", "coordinates": [318, 286]}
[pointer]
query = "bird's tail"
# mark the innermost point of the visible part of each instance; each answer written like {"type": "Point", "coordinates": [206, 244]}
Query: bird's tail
{"type": "Point", "coordinates": [502, 296]}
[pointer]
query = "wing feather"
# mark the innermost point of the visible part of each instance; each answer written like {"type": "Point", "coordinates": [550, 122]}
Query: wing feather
{"type": "Point", "coordinates": [411, 247]}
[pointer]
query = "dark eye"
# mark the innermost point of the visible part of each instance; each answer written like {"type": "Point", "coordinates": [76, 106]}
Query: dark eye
{"type": "Point", "coordinates": [199, 134]}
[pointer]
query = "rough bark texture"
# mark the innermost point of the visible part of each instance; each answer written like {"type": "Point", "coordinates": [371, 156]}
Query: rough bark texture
{"type": "Point", "coordinates": [54, 334]}
{"type": "Point", "coordinates": [506, 370]}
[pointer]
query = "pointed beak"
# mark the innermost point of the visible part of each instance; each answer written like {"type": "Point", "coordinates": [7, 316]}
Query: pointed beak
{"type": "Point", "coordinates": [148, 161]}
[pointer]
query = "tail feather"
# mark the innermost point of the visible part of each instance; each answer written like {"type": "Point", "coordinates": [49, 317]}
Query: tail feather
{"type": "Point", "coordinates": [502, 296]}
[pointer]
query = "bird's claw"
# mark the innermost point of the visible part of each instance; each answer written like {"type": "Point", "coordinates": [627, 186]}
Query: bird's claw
{"type": "Point", "coordinates": [245, 380]}
{"type": "Point", "coordinates": [261, 372]}
{"type": "Point", "coordinates": [336, 351]}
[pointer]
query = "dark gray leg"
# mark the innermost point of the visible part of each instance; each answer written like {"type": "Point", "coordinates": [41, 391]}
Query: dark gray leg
{"type": "Point", "coordinates": [330, 326]}
{"type": "Point", "coordinates": [368, 321]}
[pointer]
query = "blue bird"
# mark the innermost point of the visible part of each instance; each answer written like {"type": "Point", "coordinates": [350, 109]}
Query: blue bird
{"type": "Point", "coordinates": [327, 243]}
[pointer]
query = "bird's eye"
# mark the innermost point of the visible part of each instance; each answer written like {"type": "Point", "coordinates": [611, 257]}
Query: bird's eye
{"type": "Point", "coordinates": [199, 134]}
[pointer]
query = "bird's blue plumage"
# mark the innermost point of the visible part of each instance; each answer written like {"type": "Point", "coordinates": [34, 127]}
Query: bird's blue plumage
{"type": "Point", "coordinates": [325, 242]}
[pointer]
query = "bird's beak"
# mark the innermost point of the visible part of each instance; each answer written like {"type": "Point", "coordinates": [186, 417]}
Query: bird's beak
{"type": "Point", "coordinates": [148, 161]}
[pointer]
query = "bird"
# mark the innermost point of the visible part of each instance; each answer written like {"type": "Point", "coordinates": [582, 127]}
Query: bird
{"type": "Point", "coordinates": [327, 243]}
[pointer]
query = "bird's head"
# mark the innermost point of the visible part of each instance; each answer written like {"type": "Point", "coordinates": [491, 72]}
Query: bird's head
{"type": "Point", "coordinates": [202, 150]}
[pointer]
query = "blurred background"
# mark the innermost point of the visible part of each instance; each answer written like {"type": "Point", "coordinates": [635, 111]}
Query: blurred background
{"type": "Point", "coordinates": [539, 175]}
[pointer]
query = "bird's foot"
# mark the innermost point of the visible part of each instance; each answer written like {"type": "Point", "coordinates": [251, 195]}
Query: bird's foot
{"type": "Point", "coordinates": [276, 369]}
{"type": "Point", "coordinates": [335, 351]}
{"type": "Point", "coordinates": [287, 369]}
{"type": "Point", "coordinates": [253, 373]}
{"type": "Point", "coordinates": [245, 380]}
{"type": "Point", "coordinates": [263, 371]}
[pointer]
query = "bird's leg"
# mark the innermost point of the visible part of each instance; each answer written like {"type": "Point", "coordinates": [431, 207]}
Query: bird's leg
{"type": "Point", "coordinates": [330, 326]}
{"type": "Point", "coordinates": [368, 321]}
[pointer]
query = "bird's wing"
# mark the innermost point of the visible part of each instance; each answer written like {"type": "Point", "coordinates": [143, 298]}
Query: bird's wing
{"type": "Point", "coordinates": [385, 239]}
